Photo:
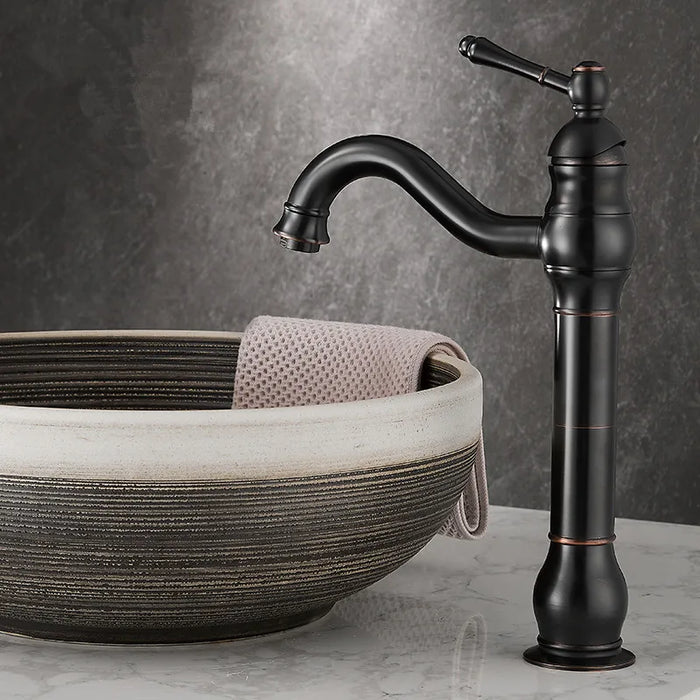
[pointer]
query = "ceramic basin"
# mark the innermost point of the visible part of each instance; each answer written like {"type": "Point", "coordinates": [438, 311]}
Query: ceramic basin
{"type": "Point", "coordinates": [135, 506]}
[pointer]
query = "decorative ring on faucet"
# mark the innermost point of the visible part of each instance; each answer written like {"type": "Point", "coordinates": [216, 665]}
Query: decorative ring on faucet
{"type": "Point", "coordinates": [601, 314]}
{"type": "Point", "coordinates": [592, 542]}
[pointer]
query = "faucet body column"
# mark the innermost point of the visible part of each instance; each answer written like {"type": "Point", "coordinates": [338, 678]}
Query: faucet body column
{"type": "Point", "coordinates": [587, 244]}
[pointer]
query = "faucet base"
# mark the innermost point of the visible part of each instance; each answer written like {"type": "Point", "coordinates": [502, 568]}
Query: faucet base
{"type": "Point", "coordinates": [570, 658]}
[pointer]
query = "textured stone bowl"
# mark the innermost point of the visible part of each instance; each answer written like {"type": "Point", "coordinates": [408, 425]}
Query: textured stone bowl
{"type": "Point", "coordinates": [136, 507]}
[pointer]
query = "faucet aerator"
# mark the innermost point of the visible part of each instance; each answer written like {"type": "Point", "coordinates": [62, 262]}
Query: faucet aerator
{"type": "Point", "coordinates": [302, 229]}
{"type": "Point", "coordinates": [298, 246]}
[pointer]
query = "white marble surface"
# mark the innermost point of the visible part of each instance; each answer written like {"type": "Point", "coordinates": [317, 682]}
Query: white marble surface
{"type": "Point", "coordinates": [451, 623]}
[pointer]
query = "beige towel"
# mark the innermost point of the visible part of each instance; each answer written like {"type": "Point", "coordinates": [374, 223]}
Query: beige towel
{"type": "Point", "coordinates": [297, 362]}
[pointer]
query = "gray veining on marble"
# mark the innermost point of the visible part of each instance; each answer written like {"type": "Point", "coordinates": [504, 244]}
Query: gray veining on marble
{"type": "Point", "coordinates": [451, 623]}
{"type": "Point", "coordinates": [147, 148]}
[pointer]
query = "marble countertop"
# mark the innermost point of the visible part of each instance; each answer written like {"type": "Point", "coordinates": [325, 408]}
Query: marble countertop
{"type": "Point", "coordinates": [451, 623]}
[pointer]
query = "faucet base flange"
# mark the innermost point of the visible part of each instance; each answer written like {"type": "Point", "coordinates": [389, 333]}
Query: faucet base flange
{"type": "Point", "coordinates": [579, 660]}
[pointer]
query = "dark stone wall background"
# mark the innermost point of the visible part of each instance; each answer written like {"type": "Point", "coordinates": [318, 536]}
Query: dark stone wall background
{"type": "Point", "coordinates": [147, 148]}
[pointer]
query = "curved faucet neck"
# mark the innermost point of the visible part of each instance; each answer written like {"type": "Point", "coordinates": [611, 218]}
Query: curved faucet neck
{"type": "Point", "coordinates": [303, 224]}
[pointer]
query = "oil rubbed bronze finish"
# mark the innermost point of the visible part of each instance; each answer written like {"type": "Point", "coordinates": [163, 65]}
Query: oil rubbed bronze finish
{"type": "Point", "coordinates": [564, 312]}
{"type": "Point", "coordinates": [568, 540]}
{"type": "Point", "coordinates": [587, 66]}
{"type": "Point", "coordinates": [585, 427]}
{"type": "Point", "coordinates": [585, 240]}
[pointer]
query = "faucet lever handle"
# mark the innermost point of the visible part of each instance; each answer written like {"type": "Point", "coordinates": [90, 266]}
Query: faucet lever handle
{"type": "Point", "coordinates": [481, 51]}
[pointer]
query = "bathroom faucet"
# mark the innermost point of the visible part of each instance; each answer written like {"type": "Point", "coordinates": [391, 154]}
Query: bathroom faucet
{"type": "Point", "coordinates": [586, 241]}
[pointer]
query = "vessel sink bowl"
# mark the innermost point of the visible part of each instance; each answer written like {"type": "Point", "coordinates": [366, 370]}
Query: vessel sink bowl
{"type": "Point", "coordinates": [136, 506]}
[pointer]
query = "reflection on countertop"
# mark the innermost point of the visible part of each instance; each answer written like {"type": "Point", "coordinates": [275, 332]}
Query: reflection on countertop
{"type": "Point", "coordinates": [447, 641]}
{"type": "Point", "coordinates": [451, 623]}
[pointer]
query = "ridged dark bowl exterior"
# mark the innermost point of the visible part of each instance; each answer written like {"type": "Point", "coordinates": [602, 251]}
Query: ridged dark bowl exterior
{"type": "Point", "coordinates": [172, 561]}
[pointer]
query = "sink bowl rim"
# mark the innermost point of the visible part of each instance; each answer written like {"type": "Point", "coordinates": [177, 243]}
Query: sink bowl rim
{"type": "Point", "coordinates": [226, 444]}
{"type": "Point", "coordinates": [467, 373]}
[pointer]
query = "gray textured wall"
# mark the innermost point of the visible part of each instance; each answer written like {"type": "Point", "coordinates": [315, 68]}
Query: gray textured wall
{"type": "Point", "coordinates": [147, 148]}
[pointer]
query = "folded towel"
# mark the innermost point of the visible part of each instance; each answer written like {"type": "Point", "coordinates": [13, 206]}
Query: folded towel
{"type": "Point", "coordinates": [333, 362]}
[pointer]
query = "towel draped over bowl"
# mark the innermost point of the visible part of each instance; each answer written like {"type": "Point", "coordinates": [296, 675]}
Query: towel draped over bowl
{"type": "Point", "coordinates": [297, 362]}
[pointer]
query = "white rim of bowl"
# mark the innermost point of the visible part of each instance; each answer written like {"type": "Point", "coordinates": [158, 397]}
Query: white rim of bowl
{"type": "Point", "coordinates": [210, 444]}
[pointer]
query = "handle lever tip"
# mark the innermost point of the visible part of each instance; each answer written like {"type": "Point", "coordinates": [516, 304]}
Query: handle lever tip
{"type": "Point", "coordinates": [465, 44]}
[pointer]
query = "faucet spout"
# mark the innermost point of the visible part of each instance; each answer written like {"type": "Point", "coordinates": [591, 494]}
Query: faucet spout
{"type": "Point", "coordinates": [303, 223]}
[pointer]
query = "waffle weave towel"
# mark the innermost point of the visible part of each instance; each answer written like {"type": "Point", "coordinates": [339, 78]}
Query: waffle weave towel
{"type": "Point", "coordinates": [333, 362]}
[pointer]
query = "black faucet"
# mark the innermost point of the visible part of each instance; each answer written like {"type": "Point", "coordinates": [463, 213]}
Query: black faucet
{"type": "Point", "coordinates": [586, 240]}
